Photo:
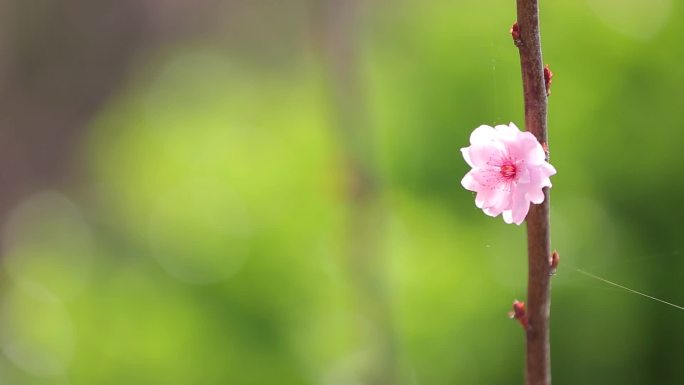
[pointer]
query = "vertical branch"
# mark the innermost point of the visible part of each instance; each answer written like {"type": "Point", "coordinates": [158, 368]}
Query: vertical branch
{"type": "Point", "coordinates": [538, 362]}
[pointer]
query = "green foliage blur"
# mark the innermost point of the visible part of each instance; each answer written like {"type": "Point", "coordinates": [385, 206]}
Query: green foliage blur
{"type": "Point", "coordinates": [215, 238]}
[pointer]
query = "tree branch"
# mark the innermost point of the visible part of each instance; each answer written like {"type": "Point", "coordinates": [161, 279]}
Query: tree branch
{"type": "Point", "coordinates": [538, 362]}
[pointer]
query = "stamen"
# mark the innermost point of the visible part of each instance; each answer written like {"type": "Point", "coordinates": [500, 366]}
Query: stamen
{"type": "Point", "coordinates": [508, 171]}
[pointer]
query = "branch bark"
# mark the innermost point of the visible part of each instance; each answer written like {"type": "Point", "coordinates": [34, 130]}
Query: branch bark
{"type": "Point", "coordinates": [538, 362]}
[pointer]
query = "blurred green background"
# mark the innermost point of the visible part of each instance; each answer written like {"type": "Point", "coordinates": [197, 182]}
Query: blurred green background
{"type": "Point", "coordinates": [268, 192]}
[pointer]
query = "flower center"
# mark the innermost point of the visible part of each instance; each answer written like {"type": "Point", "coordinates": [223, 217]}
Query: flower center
{"type": "Point", "coordinates": [508, 171]}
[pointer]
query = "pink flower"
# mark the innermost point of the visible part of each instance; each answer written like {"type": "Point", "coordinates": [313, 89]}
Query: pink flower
{"type": "Point", "coordinates": [509, 171]}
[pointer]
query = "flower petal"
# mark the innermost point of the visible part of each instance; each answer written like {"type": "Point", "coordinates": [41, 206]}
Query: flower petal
{"type": "Point", "coordinates": [491, 155]}
{"type": "Point", "coordinates": [495, 147]}
{"type": "Point", "coordinates": [508, 216]}
{"type": "Point", "coordinates": [523, 175]}
{"type": "Point", "coordinates": [525, 147]}
{"type": "Point", "coordinates": [465, 151]}
{"type": "Point", "coordinates": [487, 177]}
{"type": "Point", "coordinates": [507, 132]}
{"type": "Point", "coordinates": [519, 209]}
{"type": "Point", "coordinates": [469, 183]}
{"type": "Point", "coordinates": [483, 135]}
{"type": "Point", "coordinates": [492, 212]}
{"type": "Point", "coordinates": [548, 169]}
{"type": "Point", "coordinates": [488, 197]}
{"type": "Point", "coordinates": [533, 189]}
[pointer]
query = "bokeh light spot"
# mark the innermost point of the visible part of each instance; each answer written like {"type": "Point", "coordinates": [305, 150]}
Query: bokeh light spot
{"type": "Point", "coordinates": [200, 231]}
{"type": "Point", "coordinates": [36, 333]}
{"type": "Point", "coordinates": [48, 245]}
{"type": "Point", "coordinates": [640, 20]}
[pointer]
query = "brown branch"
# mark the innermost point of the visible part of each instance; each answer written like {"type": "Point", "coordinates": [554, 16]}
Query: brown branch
{"type": "Point", "coordinates": [538, 362]}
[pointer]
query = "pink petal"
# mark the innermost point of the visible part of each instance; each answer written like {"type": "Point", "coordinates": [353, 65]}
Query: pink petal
{"type": "Point", "coordinates": [487, 177]}
{"type": "Point", "coordinates": [519, 209]}
{"type": "Point", "coordinates": [513, 126]}
{"type": "Point", "coordinates": [520, 212]}
{"type": "Point", "coordinates": [469, 183]}
{"type": "Point", "coordinates": [535, 196]}
{"type": "Point", "coordinates": [483, 135]}
{"type": "Point", "coordinates": [525, 147]}
{"type": "Point", "coordinates": [523, 175]}
{"type": "Point", "coordinates": [491, 212]}
{"type": "Point", "coordinates": [495, 201]}
{"type": "Point", "coordinates": [499, 203]}
{"type": "Point", "coordinates": [507, 132]}
{"type": "Point", "coordinates": [533, 189]}
{"type": "Point", "coordinates": [490, 148]}
{"type": "Point", "coordinates": [507, 216]}
{"type": "Point", "coordinates": [548, 169]}
{"type": "Point", "coordinates": [504, 203]}
{"type": "Point", "coordinates": [466, 155]}
{"type": "Point", "coordinates": [486, 155]}
{"type": "Point", "coordinates": [488, 197]}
